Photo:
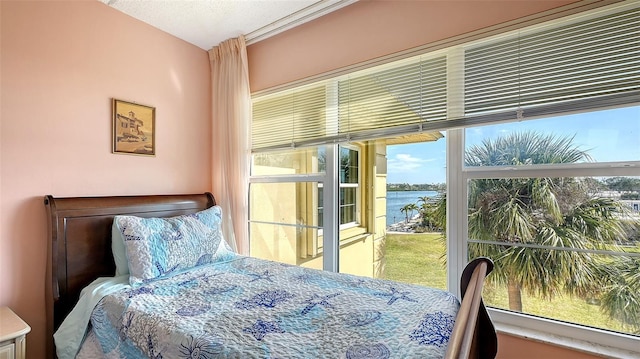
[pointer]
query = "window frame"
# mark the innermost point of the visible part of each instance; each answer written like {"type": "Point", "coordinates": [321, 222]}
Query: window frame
{"type": "Point", "coordinates": [358, 186]}
{"type": "Point", "coordinates": [351, 229]}
{"type": "Point", "coordinates": [358, 220]}
{"type": "Point", "coordinates": [548, 330]}
{"type": "Point", "coordinates": [329, 179]}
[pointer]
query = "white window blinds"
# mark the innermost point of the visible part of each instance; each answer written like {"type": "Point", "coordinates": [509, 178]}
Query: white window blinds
{"type": "Point", "coordinates": [290, 118]}
{"type": "Point", "coordinates": [588, 58]}
{"type": "Point", "coordinates": [396, 99]}
{"type": "Point", "coordinates": [587, 61]}
{"type": "Point", "coordinates": [401, 97]}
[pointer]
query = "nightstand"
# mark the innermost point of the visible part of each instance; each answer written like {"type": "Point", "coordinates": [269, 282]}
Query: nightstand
{"type": "Point", "coordinates": [13, 331]}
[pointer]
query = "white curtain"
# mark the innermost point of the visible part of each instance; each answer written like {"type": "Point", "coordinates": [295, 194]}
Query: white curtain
{"type": "Point", "coordinates": [231, 116]}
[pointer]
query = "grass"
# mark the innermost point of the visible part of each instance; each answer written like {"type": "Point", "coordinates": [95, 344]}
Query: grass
{"type": "Point", "coordinates": [417, 258]}
{"type": "Point", "coordinates": [561, 307]}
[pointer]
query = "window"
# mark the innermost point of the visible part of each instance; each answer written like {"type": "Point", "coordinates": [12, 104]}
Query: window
{"type": "Point", "coordinates": [561, 230]}
{"type": "Point", "coordinates": [416, 184]}
{"type": "Point", "coordinates": [287, 197]}
{"type": "Point", "coordinates": [284, 213]}
{"type": "Point", "coordinates": [543, 130]}
{"type": "Point", "coordinates": [349, 186]}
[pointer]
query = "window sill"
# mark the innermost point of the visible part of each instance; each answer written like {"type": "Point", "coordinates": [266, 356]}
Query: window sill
{"type": "Point", "coordinates": [346, 235]}
{"type": "Point", "coordinates": [621, 345]}
{"type": "Point", "coordinates": [354, 238]}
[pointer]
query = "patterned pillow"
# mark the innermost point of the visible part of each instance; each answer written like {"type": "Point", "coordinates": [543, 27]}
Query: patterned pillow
{"type": "Point", "coordinates": [160, 247]}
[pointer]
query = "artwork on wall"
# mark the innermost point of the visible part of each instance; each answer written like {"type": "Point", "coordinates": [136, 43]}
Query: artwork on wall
{"type": "Point", "coordinates": [134, 128]}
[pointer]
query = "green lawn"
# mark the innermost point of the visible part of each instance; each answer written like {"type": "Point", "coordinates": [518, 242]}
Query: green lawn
{"type": "Point", "coordinates": [415, 258]}
{"type": "Point", "coordinates": [418, 258]}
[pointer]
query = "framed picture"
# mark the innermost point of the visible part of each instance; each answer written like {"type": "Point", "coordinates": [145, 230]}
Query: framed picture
{"type": "Point", "coordinates": [134, 128]}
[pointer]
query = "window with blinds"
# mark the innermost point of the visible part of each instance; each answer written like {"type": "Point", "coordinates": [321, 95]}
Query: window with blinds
{"type": "Point", "coordinates": [291, 118]}
{"type": "Point", "coordinates": [400, 97]}
{"type": "Point", "coordinates": [578, 64]}
{"type": "Point", "coordinates": [592, 58]}
{"type": "Point", "coordinates": [359, 107]}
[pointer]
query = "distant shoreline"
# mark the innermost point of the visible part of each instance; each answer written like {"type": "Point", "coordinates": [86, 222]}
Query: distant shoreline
{"type": "Point", "coordinates": [404, 226]}
{"type": "Point", "coordinates": [397, 199]}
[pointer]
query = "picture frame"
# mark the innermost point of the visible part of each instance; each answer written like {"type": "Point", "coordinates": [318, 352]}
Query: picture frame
{"type": "Point", "coordinates": [134, 128]}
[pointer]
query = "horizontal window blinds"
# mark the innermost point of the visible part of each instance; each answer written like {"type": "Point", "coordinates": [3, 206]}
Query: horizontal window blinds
{"type": "Point", "coordinates": [403, 96]}
{"type": "Point", "coordinates": [582, 63]}
{"type": "Point", "coordinates": [592, 58]}
{"type": "Point", "coordinates": [289, 118]}
{"type": "Point", "coordinates": [356, 107]}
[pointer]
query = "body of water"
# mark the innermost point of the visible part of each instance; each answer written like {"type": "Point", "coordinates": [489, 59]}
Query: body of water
{"type": "Point", "coordinates": [399, 199]}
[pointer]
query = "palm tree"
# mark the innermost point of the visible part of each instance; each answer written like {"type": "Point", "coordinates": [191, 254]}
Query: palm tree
{"type": "Point", "coordinates": [427, 209]}
{"type": "Point", "coordinates": [536, 212]}
{"type": "Point", "coordinates": [620, 287]}
{"type": "Point", "coordinates": [408, 209]}
{"type": "Point", "coordinates": [424, 200]}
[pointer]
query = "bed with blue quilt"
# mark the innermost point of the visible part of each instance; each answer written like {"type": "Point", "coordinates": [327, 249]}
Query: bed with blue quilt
{"type": "Point", "coordinates": [152, 277]}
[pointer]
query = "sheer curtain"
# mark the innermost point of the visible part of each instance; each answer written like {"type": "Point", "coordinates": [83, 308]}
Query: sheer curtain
{"type": "Point", "coordinates": [231, 116]}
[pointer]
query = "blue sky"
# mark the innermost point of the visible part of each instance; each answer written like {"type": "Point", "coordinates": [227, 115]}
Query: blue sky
{"type": "Point", "coordinates": [417, 162]}
{"type": "Point", "coordinates": [608, 135]}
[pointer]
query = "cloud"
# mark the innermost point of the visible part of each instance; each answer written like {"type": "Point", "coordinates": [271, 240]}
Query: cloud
{"type": "Point", "coordinates": [403, 162]}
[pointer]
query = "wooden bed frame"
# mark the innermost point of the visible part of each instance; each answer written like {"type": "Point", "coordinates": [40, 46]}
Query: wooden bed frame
{"type": "Point", "coordinates": [80, 251]}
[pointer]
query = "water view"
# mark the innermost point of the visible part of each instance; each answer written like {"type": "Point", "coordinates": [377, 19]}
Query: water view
{"type": "Point", "coordinates": [399, 199]}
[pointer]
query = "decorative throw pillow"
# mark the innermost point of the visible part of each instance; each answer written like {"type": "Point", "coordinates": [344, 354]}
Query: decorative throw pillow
{"type": "Point", "coordinates": [160, 247]}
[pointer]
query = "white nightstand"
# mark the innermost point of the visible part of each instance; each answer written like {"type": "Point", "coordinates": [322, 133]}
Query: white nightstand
{"type": "Point", "coordinates": [13, 331]}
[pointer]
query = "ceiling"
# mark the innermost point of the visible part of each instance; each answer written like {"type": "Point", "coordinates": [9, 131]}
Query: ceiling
{"type": "Point", "coordinates": [206, 23]}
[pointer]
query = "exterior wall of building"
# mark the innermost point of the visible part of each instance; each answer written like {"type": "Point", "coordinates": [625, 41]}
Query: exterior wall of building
{"type": "Point", "coordinates": [361, 248]}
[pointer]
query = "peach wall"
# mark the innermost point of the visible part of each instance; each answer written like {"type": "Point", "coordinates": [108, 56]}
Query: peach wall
{"type": "Point", "coordinates": [369, 29]}
{"type": "Point", "coordinates": [515, 347]}
{"type": "Point", "coordinates": [61, 63]}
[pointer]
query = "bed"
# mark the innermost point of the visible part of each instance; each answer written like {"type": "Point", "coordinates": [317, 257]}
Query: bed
{"type": "Point", "coordinates": [404, 320]}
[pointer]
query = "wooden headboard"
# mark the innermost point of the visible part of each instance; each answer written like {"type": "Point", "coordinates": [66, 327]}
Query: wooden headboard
{"type": "Point", "coordinates": [80, 242]}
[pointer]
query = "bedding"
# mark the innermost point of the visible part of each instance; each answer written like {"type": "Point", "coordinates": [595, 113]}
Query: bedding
{"type": "Point", "coordinates": [244, 307]}
{"type": "Point", "coordinates": [233, 306]}
{"type": "Point", "coordinates": [156, 247]}
{"type": "Point", "coordinates": [71, 332]}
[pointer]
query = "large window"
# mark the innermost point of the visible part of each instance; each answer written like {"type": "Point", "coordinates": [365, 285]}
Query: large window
{"type": "Point", "coordinates": [542, 171]}
{"type": "Point", "coordinates": [562, 229]}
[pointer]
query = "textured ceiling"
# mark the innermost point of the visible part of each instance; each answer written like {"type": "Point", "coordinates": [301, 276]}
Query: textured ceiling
{"type": "Point", "coordinates": [206, 23]}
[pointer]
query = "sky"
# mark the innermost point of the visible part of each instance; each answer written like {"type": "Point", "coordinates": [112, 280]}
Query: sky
{"type": "Point", "coordinates": [607, 135]}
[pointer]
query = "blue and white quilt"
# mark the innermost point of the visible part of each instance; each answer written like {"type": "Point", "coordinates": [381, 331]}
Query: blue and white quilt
{"type": "Point", "coordinates": [252, 308]}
